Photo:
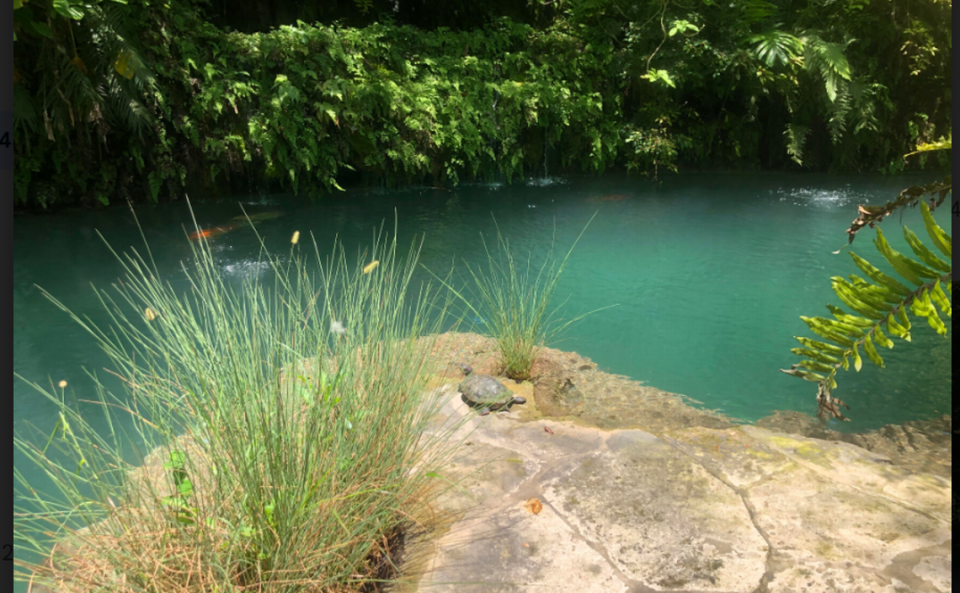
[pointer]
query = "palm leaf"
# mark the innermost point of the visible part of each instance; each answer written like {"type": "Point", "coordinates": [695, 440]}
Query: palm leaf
{"type": "Point", "coordinates": [776, 47]}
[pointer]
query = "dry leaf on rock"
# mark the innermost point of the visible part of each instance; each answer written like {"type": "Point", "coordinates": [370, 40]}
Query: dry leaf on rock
{"type": "Point", "coordinates": [534, 506]}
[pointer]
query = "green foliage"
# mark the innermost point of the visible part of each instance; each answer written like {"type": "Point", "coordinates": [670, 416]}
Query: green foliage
{"type": "Point", "coordinates": [264, 411]}
{"type": "Point", "coordinates": [880, 301]}
{"type": "Point", "coordinates": [656, 147]}
{"type": "Point", "coordinates": [304, 106]}
{"type": "Point", "coordinates": [776, 47]}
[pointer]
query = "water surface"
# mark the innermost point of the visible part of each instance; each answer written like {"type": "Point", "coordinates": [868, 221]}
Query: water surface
{"type": "Point", "coordinates": [710, 273]}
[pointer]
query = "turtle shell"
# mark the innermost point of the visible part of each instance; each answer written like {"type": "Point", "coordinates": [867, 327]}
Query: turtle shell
{"type": "Point", "coordinates": [484, 390]}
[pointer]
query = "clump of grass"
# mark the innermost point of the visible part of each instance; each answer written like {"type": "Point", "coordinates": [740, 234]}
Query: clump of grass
{"type": "Point", "coordinates": [283, 422]}
{"type": "Point", "coordinates": [516, 304]}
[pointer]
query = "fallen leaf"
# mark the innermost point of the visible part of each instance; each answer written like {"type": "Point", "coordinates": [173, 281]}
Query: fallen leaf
{"type": "Point", "coordinates": [547, 428]}
{"type": "Point", "coordinates": [526, 545]}
{"type": "Point", "coordinates": [534, 506]}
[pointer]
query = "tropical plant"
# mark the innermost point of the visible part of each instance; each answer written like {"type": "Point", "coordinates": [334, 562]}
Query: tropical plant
{"type": "Point", "coordinates": [306, 107]}
{"type": "Point", "coordinates": [882, 302]}
{"type": "Point", "coordinates": [79, 68]}
{"type": "Point", "coordinates": [516, 304]}
{"type": "Point", "coordinates": [81, 83]}
{"type": "Point", "coordinates": [284, 423]}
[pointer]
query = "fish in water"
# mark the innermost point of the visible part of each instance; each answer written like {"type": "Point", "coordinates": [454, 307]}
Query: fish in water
{"type": "Point", "coordinates": [212, 232]}
{"type": "Point", "coordinates": [235, 223]}
{"type": "Point", "coordinates": [609, 198]}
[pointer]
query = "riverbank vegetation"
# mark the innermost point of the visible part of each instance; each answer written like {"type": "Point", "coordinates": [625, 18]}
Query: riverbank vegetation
{"type": "Point", "coordinates": [284, 423]}
{"type": "Point", "coordinates": [139, 100]}
{"type": "Point", "coordinates": [514, 301]}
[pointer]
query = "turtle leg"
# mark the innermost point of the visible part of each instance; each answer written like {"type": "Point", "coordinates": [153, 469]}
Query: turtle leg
{"type": "Point", "coordinates": [485, 412]}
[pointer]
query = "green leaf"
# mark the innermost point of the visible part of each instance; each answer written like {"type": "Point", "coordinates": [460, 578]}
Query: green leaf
{"type": "Point", "coordinates": [659, 75]}
{"type": "Point", "coordinates": [854, 299]}
{"type": "Point", "coordinates": [818, 356]}
{"type": "Point", "coordinates": [857, 363]}
{"type": "Point", "coordinates": [896, 329]}
{"type": "Point", "coordinates": [923, 253]}
{"type": "Point", "coordinates": [895, 259]}
{"type": "Point", "coordinates": [65, 10]}
{"type": "Point", "coordinates": [822, 346]}
{"type": "Point", "coordinates": [904, 320]}
{"type": "Point", "coordinates": [185, 487]}
{"type": "Point", "coordinates": [940, 238]}
{"type": "Point", "coordinates": [882, 339]}
{"type": "Point", "coordinates": [941, 299]}
{"type": "Point", "coordinates": [817, 325]}
{"type": "Point", "coordinates": [932, 318]}
{"type": "Point", "coordinates": [847, 329]}
{"type": "Point", "coordinates": [872, 352]}
{"type": "Point", "coordinates": [816, 366]}
{"type": "Point", "coordinates": [176, 460]}
{"type": "Point", "coordinates": [879, 277]}
{"type": "Point", "coordinates": [41, 29]}
{"type": "Point", "coordinates": [805, 375]}
{"type": "Point", "coordinates": [849, 319]}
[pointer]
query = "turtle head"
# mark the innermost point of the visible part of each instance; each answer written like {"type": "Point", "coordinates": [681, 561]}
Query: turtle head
{"type": "Point", "coordinates": [519, 400]}
{"type": "Point", "coordinates": [465, 368]}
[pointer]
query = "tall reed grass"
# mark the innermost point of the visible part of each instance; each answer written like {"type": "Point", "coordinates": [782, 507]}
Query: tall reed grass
{"type": "Point", "coordinates": [516, 303]}
{"type": "Point", "coordinates": [267, 438]}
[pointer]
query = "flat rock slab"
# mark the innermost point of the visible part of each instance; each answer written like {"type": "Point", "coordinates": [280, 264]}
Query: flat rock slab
{"type": "Point", "coordinates": [696, 510]}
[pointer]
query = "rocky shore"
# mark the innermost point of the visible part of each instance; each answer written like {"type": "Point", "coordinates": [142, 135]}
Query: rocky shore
{"type": "Point", "coordinates": [561, 495]}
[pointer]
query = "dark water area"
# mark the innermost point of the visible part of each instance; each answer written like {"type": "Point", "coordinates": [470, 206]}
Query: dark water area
{"type": "Point", "coordinates": [709, 272]}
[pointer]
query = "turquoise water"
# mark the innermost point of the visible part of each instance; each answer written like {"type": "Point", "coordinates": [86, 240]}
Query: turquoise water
{"type": "Point", "coordinates": [709, 272]}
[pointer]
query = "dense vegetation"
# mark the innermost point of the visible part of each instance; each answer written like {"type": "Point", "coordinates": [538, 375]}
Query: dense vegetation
{"type": "Point", "coordinates": [145, 99]}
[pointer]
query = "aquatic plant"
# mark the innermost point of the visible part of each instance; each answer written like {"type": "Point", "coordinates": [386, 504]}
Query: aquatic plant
{"type": "Point", "coordinates": [516, 304]}
{"type": "Point", "coordinates": [258, 441]}
{"type": "Point", "coordinates": [885, 301]}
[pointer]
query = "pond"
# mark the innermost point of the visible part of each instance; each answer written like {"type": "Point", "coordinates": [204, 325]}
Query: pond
{"type": "Point", "coordinates": [709, 272]}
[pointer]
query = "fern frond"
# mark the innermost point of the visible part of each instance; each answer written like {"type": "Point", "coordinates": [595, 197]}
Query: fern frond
{"type": "Point", "coordinates": [883, 303]}
{"type": "Point", "coordinates": [796, 137]}
{"type": "Point", "coordinates": [828, 61]}
{"type": "Point", "coordinates": [837, 121]}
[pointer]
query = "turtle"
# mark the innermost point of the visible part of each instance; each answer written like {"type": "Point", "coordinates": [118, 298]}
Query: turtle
{"type": "Point", "coordinates": [485, 392]}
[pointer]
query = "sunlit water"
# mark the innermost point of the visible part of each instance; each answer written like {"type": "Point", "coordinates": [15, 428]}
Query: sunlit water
{"type": "Point", "coordinates": [710, 274]}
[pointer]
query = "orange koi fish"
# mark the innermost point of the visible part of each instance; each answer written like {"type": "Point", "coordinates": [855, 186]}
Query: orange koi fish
{"type": "Point", "coordinates": [213, 231]}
